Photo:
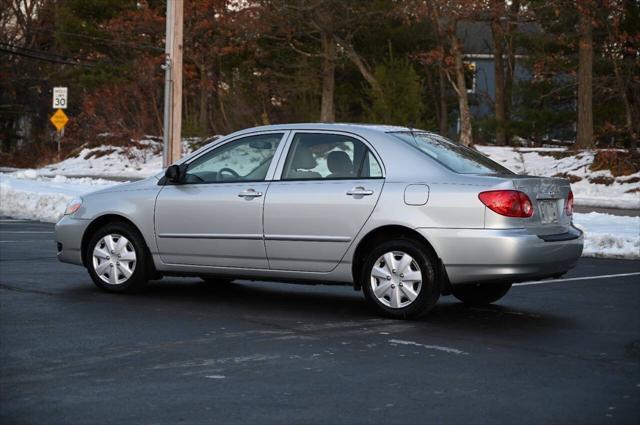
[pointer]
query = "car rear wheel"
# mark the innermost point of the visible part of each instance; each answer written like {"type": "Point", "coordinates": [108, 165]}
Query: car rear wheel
{"type": "Point", "coordinates": [481, 294]}
{"type": "Point", "coordinates": [399, 279]}
{"type": "Point", "coordinates": [116, 258]}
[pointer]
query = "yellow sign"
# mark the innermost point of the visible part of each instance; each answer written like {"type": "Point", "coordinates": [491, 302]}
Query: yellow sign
{"type": "Point", "coordinates": [59, 119]}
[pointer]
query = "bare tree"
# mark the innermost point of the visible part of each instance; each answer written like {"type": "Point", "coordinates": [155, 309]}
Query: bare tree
{"type": "Point", "coordinates": [584, 136]}
{"type": "Point", "coordinates": [503, 27]}
{"type": "Point", "coordinates": [446, 16]}
{"type": "Point", "coordinates": [622, 52]}
{"type": "Point", "coordinates": [325, 29]}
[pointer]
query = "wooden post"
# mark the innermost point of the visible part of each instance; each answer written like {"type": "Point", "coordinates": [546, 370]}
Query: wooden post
{"type": "Point", "coordinates": [173, 83]}
{"type": "Point", "coordinates": [59, 135]}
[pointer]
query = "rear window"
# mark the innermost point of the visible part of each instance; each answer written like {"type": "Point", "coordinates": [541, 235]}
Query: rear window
{"type": "Point", "coordinates": [456, 157]}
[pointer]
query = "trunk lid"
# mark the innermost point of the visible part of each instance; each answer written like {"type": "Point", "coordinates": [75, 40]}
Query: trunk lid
{"type": "Point", "coordinates": [548, 196]}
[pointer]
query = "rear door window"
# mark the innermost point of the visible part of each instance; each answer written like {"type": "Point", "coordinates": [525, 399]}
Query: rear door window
{"type": "Point", "coordinates": [321, 156]}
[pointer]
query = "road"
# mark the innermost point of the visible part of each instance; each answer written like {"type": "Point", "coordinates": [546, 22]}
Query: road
{"type": "Point", "coordinates": [184, 352]}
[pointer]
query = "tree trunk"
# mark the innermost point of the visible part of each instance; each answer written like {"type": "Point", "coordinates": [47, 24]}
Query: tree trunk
{"type": "Point", "coordinates": [360, 63]}
{"type": "Point", "coordinates": [443, 119]}
{"type": "Point", "coordinates": [460, 87]}
{"type": "Point", "coordinates": [584, 137]}
{"type": "Point", "coordinates": [202, 108]}
{"type": "Point", "coordinates": [436, 83]}
{"type": "Point", "coordinates": [512, 28]}
{"type": "Point", "coordinates": [498, 65]}
{"type": "Point", "coordinates": [431, 87]}
{"type": "Point", "coordinates": [327, 107]}
{"type": "Point", "coordinates": [628, 107]}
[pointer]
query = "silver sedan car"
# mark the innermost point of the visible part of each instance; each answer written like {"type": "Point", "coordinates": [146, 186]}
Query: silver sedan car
{"type": "Point", "coordinates": [403, 214]}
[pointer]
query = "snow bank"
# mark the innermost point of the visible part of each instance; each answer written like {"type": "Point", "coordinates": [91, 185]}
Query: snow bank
{"type": "Point", "coordinates": [28, 196]}
{"type": "Point", "coordinates": [608, 235]}
{"type": "Point", "coordinates": [540, 162]}
{"type": "Point", "coordinates": [143, 159]}
{"type": "Point", "coordinates": [138, 161]}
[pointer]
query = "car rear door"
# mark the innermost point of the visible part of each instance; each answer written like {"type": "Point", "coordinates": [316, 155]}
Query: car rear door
{"type": "Point", "coordinates": [215, 217]}
{"type": "Point", "coordinates": [325, 189]}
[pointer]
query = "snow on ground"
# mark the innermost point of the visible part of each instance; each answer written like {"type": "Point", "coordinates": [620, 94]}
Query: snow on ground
{"type": "Point", "coordinates": [609, 235]}
{"type": "Point", "coordinates": [143, 158]}
{"type": "Point", "coordinates": [539, 162]}
{"type": "Point", "coordinates": [29, 196]}
{"type": "Point", "coordinates": [140, 160]}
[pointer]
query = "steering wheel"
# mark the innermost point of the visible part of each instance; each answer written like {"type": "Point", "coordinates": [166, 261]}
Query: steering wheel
{"type": "Point", "coordinates": [193, 178]}
{"type": "Point", "coordinates": [230, 171]}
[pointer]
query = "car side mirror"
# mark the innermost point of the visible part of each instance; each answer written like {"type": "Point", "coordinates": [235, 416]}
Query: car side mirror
{"type": "Point", "coordinates": [174, 174]}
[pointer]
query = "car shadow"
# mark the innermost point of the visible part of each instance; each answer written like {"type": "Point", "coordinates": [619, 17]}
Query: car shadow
{"type": "Point", "coordinates": [330, 303]}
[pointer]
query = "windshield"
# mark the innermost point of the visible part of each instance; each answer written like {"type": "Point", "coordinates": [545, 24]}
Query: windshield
{"type": "Point", "coordinates": [452, 155]}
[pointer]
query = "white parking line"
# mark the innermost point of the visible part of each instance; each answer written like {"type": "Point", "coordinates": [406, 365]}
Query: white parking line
{"type": "Point", "coordinates": [570, 279]}
{"type": "Point", "coordinates": [428, 347]}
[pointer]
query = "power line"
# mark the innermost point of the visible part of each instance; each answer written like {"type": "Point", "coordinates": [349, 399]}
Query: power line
{"type": "Point", "coordinates": [41, 52]}
{"type": "Point", "coordinates": [106, 40]}
{"type": "Point", "coordinates": [42, 56]}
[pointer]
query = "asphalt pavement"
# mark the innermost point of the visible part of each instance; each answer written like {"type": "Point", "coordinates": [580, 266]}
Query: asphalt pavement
{"type": "Point", "coordinates": [186, 352]}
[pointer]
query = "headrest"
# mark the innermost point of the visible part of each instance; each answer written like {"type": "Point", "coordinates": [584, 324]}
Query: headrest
{"type": "Point", "coordinates": [303, 159]}
{"type": "Point", "coordinates": [339, 162]}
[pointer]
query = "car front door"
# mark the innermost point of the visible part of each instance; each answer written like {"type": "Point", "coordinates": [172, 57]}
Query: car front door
{"type": "Point", "coordinates": [328, 187]}
{"type": "Point", "coordinates": [214, 218]}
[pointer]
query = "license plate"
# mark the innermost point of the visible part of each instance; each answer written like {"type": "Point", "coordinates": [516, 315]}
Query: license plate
{"type": "Point", "coordinates": [549, 211]}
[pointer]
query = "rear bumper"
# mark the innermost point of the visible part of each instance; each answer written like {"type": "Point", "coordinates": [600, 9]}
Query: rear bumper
{"type": "Point", "coordinates": [68, 235]}
{"type": "Point", "coordinates": [506, 255]}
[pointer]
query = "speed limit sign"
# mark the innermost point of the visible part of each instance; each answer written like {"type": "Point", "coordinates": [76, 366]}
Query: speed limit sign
{"type": "Point", "coordinates": [59, 98]}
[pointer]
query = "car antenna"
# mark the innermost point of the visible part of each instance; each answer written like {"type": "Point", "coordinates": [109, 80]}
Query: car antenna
{"type": "Point", "coordinates": [410, 126]}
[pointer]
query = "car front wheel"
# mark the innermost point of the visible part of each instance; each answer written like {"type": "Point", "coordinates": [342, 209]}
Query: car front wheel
{"type": "Point", "coordinates": [399, 279]}
{"type": "Point", "coordinates": [116, 258]}
{"type": "Point", "coordinates": [481, 294]}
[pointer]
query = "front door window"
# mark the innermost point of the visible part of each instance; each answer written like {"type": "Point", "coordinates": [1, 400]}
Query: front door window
{"type": "Point", "coordinates": [243, 160]}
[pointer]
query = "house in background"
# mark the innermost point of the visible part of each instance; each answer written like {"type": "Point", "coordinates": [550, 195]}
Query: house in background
{"type": "Point", "coordinates": [477, 41]}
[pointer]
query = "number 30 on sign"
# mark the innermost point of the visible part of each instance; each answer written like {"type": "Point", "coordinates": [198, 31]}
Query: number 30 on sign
{"type": "Point", "coordinates": [59, 98]}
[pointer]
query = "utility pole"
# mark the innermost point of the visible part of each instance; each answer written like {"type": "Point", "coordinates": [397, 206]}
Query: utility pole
{"type": "Point", "coordinates": [172, 146]}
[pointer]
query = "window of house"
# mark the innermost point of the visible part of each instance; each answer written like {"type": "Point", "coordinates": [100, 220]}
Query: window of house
{"type": "Point", "coordinates": [470, 72]}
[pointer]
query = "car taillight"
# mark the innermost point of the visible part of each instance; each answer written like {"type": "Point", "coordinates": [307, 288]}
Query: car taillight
{"type": "Point", "coordinates": [568, 205]}
{"type": "Point", "coordinates": [510, 203]}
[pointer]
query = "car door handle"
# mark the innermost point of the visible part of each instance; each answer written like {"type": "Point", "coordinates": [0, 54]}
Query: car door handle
{"type": "Point", "coordinates": [249, 193]}
{"type": "Point", "coordinates": [359, 191]}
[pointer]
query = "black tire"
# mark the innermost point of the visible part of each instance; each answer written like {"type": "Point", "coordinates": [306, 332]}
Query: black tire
{"type": "Point", "coordinates": [142, 270]}
{"type": "Point", "coordinates": [480, 294]}
{"type": "Point", "coordinates": [429, 291]}
{"type": "Point", "coordinates": [216, 280]}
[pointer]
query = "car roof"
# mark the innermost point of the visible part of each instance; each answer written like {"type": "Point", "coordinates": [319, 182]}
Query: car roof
{"type": "Point", "coordinates": [333, 126]}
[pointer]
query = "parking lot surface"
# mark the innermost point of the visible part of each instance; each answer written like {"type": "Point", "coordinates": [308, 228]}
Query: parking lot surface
{"type": "Point", "coordinates": [258, 352]}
